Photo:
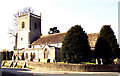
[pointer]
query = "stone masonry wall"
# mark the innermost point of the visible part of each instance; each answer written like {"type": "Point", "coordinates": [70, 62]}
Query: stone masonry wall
{"type": "Point", "coordinates": [68, 67]}
{"type": "Point", "coordinates": [72, 67]}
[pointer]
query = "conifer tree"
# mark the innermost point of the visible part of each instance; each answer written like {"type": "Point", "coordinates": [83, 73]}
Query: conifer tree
{"type": "Point", "coordinates": [107, 46]}
{"type": "Point", "coordinates": [75, 48]}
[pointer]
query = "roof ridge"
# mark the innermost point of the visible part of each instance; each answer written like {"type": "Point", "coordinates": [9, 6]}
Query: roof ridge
{"type": "Point", "coordinates": [52, 34]}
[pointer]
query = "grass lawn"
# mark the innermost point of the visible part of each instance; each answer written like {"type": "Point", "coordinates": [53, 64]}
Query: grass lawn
{"type": "Point", "coordinates": [5, 66]}
{"type": "Point", "coordinates": [87, 63]}
{"type": "Point", "coordinates": [79, 63]}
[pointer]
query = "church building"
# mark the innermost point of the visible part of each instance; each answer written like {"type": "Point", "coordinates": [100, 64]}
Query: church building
{"type": "Point", "coordinates": [31, 45]}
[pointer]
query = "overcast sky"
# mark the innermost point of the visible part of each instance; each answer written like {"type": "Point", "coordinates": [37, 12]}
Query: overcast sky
{"type": "Point", "coordinates": [90, 14]}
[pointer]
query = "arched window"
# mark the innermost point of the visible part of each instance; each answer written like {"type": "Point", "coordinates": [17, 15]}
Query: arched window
{"type": "Point", "coordinates": [35, 25]}
{"type": "Point", "coordinates": [33, 55]}
{"type": "Point", "coordinates": [26, 55]}
{"type": "Point", "coordinates": [45, 53]}
{"type": "Point", "coordinates": [23, 25]}
{"type": "Point", "coordinates": [21, 39]}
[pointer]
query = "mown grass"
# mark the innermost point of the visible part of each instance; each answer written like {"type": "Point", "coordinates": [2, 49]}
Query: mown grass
{"type": "Point", "coordinates": [5, 66]}
{"type": "Point", "coordinates": [19, 66]}
{"type": "Point", "coordinates": [62, 62]}
{"type": "Point", "coordinates": [87, 63]}
{"type": "Point", "coordinates": [79, 63]}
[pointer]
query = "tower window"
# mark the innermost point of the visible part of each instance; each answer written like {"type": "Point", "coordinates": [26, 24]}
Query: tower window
{"type": "Point", "coordinates": [21, 39]}
{"type": "Point", "coordinates": [33, 55]}
{"type": "Point", "coordinates": [45, 53]}
{"type": "Point", "coordinates": [26, 55]}
{"type": "Point", "coordinates": [23, 25]}
{"type": "Point", "coordinates": [35, 25]}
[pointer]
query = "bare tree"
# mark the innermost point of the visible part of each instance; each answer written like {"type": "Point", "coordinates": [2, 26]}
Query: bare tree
{"type": "Point", "coordinates": [13, 30]}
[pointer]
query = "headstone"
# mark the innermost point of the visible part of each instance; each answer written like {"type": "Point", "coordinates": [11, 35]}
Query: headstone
{"type": "Point", "coordinates": [3, 64]}
{"type": "Point", "coordinates": [15, 64]}
{"type": "Point", "coordinates": [115, 61]}
{"type": "Point", "coordinates": [96, 61]}
{"type": "Point", "coordinates": [24, 65]}
{"type": "Point", "coordinates": [10, 64]}
{"type": "Point", "coordinates": [101, 61]}
{"type": "Point", "coordinates": [12, 57]}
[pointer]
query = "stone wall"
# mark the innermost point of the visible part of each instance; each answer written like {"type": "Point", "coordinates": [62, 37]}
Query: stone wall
{"type": "Point", "coordinates": [68, 67]}
{"type": "Point", "coordinates": [72, 67]}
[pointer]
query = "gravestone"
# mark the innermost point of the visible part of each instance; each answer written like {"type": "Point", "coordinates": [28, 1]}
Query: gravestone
{"type": "Point", "coordinates": [101, 61]}
{"type": "Point", "coordinates": [10, 64]}
{"type": "Point", "coordinates": [24, 65]}
{"type": "Point", "coordinates": [15, 64]}
{"type": "Point", "coordinates": [3, 64]}
{"type": "Point", "coordinates": [96, 61]}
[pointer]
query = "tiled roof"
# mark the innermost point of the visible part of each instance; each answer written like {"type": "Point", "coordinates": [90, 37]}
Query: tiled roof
{"type": "Point", "coordinates": [50, 39]}
{"type": "Point", "coordinates": [59, 37]}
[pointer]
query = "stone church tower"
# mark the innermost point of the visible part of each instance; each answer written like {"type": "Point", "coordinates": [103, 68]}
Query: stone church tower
{"type": "Point", "coordinates": [28, 30]}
